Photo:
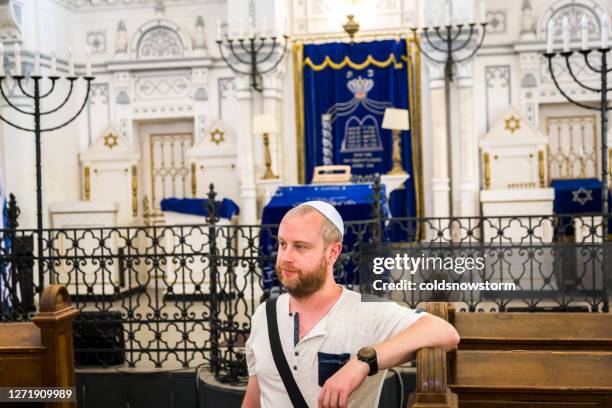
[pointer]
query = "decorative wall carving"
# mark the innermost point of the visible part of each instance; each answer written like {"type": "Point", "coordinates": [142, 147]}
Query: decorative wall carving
{"type": "Point", "coordinates": [123, 98]}
{"type": "Point", "coordinates": [201, 126]}
{"type": "Point", "coordinates": [121, 39]}
{"type": "Point", "coordinates": [10, 21]}
{"type": "Point", "coordinates": [84, 4]}
{"type": "Point", "coordinates": [497, 21]}
{"type": "Point", "coordinates": [528, 21]}
{"type": "Point", "coordinates": [160, 38]}
{"type": "Point", "coordinates": [162, 87]}
{"type": "Point", "coordinates": [574, 11]}
{"type": "Point", "coordinates": [160, 42]}
{"type": "Point", "coordinates": [200, 34]}
{"type": "Point", "coordinates": [529, 81]}
{"type": "Point", "coordinates": [96, 41]}
{"type": "Point", "coordinates": [200, 95]}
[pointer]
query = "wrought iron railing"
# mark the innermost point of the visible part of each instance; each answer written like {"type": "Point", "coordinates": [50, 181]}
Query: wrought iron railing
{"type": "Point", "coordinates": [183, 295]}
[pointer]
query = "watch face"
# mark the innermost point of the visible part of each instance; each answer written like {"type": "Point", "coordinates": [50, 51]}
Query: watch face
{"type": "Point", "coordinates": [367, 352]}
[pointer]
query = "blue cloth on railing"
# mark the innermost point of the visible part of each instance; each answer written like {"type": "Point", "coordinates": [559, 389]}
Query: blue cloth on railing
{"type": "Point", "coordinates": [225, 208]}
{"type": "Point", "coordinates": [577, 196]}
{"type": "Point", "coordinates": [354, 202]}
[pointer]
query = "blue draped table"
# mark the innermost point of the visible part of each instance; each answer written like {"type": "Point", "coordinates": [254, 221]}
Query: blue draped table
{"type": "Point", "coordinates": [354, 202]}
{"type": "Point", "coordinates": [225, 208]}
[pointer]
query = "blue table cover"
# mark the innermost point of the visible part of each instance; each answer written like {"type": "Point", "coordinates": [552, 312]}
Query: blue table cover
{"type": "Point", "coordinates": [354, 202]}
{"type": "Point", "coordinates": [225, 208]}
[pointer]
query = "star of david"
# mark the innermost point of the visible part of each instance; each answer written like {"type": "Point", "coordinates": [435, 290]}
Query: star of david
{"type": "Point", "coordinates": [110, 140]}
{"type": "Point", "coordinates": [582, 195]}
{"type": "Point", "coordinates": [217, 136]}
{"type": "Point", "coordinates": [512, 124]}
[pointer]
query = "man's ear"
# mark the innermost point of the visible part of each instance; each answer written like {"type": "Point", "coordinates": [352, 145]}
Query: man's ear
{"type": "Point", "coordinates": [335, 248]}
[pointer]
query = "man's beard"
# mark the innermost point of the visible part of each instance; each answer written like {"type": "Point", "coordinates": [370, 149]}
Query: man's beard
{"type": "Point", "coordinates": [307, 282]}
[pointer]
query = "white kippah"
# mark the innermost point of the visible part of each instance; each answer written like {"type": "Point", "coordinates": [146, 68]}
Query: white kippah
{"type": "Point", "coordinates": [329, 212]}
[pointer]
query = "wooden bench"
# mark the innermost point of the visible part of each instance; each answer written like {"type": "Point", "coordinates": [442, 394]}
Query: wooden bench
{"type": "Point", "coordinates": [41, 353]}
{"type": "Point", "coordinates": [519, 360]}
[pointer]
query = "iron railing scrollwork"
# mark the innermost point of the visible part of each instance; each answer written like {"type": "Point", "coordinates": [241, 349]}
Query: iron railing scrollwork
{"type": "Point", "coordinates": [183, 295]}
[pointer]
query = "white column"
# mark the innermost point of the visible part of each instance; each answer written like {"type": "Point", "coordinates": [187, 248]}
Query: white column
{"type": "Point", "coordinates": [440, 180]}
{"type": "Point", "coordinates": [246, 165]}
{"type": "Point", "coordinates": [468, 187]}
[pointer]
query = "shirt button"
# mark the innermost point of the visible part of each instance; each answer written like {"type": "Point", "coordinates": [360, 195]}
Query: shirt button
{"type": "Point", "coordinates": [295, 368]}
{"type": "Point", "coordinates": [297, 354]}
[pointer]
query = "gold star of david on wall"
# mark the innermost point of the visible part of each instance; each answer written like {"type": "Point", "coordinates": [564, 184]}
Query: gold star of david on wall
{"type": "Point", "coordinates": [217, 136]}
{"type": "Point", "coordinates": [512, 124]}
{"type": "Point", "coordinates": [110, 140]}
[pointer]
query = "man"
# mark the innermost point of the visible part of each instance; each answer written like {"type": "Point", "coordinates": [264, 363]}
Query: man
{"type": "Point", "coordinates": [327, 332]}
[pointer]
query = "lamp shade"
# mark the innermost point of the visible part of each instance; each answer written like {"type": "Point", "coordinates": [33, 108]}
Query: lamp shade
{"type": "Point", "coordinates": [396, 119]}
{"type": "Point", "coordinates": [264, 124]}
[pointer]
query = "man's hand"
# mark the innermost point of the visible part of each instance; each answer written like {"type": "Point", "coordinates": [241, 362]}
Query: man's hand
{"type": "Point", "coordinates": [338, 388]}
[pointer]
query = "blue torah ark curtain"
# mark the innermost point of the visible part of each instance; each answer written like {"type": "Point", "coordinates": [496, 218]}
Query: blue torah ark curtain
{"type": "Point", "coordinates": [347, 88]}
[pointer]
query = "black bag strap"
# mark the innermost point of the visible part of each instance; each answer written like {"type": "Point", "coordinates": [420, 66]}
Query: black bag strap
{"type": "Point", "coordinates": [297, 399]}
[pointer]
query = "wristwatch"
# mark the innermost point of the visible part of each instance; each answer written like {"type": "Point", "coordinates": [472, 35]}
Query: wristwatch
{"type": "Point", "coordinates": [368, 355]}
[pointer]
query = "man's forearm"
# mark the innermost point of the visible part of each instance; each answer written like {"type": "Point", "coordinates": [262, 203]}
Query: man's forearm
{"type": "Point", "coordinates": [428, 331]}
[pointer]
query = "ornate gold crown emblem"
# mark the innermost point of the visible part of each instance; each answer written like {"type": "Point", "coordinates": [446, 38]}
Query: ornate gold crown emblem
{"type": "Point", "coordinates": [360, 86]}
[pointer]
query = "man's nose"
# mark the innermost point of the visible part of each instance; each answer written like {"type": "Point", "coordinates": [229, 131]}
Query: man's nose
{"type": "Point", "coordinates": [285, 255]}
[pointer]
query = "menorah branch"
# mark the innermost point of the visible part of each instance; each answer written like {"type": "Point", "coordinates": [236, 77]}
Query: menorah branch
{"type": "Point", "coordinates": [9, 103]}
{"type": "Point", "coordinates": [556, 82]}
{"type": "Point", "coordinates": [248, 58]}
{"type": "Point", "coordinates": [66, 99]}
{"type": "Point", "coordinates": [566, 56]}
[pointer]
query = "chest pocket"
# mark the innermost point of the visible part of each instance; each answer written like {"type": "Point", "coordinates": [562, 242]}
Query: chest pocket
{"type": "Point", "coordinates": [329, 364]}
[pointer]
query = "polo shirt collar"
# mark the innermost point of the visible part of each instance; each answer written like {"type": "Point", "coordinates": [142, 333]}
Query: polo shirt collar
{"type": "Point", "coordinates": [319, 329]}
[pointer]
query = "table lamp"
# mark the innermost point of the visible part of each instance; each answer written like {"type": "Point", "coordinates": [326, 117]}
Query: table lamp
{"type": "Point", "coordinates": [396, 120]}
{"type": "Point", "coordinates": [266, 124]}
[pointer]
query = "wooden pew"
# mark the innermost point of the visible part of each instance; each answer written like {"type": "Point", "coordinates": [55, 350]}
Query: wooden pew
{"type": "Point", "coordinates": [520, 360]}
{"type": "Point", "coordinates": [41, 353]}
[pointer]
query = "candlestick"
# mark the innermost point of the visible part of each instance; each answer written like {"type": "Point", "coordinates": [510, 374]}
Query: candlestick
{"type": "Point", "coordinates": [1, 59]}
{"type": "Point", "coordinates": [605, 30]}
{"type": "Point", "coordinates": [584, 28]}
{"type": "Point", "coordinates": [70, 62]}
{"type": "Point", "coordinates": [87, 61]}
{"type": "Point", "coordinates": [447, 14]}
{"type": "Point", "coordinates": [37, 63]}
{"type": "Point", "coordinates": [483, 14]}
{"type": "Point", "coordinates": [53, 64]}
{"type": "Point", "coordinates": [566, 34]}
{"type": "Point", "coordinates": [550, 37]}
{"type": "Point", "coordinates": [219, 31]}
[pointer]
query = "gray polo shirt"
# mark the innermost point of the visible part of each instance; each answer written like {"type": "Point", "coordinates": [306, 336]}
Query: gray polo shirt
{"type": "Point", "coordinates": [348, 326]}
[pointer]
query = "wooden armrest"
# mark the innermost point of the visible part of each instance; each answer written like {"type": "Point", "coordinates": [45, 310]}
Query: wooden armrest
{"type": "Point", "coordinates": [432, 389]}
